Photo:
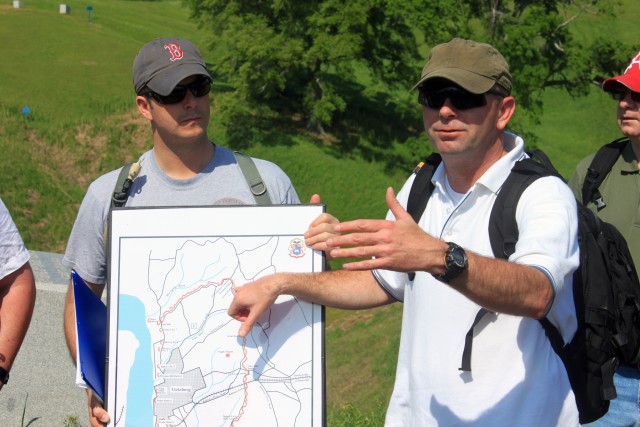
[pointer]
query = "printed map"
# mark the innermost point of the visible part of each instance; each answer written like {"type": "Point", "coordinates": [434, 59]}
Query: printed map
{"type": "Point", "coordinates": [179, 359]}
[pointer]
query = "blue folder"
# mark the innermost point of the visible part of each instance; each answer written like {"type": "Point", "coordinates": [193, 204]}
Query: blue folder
{"type": "Point", "coordinates": [91, 327]}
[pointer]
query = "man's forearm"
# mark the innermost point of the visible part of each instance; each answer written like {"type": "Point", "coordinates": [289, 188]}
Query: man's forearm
{"type": "Point", "coordinates": [505, 287]}
{"type": "Point", "coordinates": [338, 289]}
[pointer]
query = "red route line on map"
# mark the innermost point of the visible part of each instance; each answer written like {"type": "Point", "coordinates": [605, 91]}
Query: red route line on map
{"type": "Point", "coordinates": [245, 382]}
{"type": "Point", "coordinates": [170, 310]}
{"type": "Point", "coordinates": [244, 348]}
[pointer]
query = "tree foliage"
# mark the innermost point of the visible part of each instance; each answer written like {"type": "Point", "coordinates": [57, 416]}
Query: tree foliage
{"type": "Point", "coordinates": [324, 62]}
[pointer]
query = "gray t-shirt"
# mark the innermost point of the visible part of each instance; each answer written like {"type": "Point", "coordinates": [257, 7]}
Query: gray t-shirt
{"type": "Point", "coordinates": [13, 253]}
{"type": "Point", "coordinates": [221, 182]}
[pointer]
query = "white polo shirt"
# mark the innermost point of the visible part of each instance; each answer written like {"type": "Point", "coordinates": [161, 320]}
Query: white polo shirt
{"type": "Point", "coordinates": [516, 378]}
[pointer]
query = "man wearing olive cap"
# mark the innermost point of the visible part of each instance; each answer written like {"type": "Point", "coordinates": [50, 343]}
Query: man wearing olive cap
{"type": "Point", "coordinates": [516, 378]}
{"type": "Point", "coordinates": [184, 168]}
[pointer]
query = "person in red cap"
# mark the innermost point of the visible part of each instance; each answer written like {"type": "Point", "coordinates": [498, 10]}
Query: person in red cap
{"type": "Point", "coordinates": [611, 190]}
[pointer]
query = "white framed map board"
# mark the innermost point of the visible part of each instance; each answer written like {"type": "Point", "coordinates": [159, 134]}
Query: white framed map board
{"type": "Point", "coordinates": [174, 356]}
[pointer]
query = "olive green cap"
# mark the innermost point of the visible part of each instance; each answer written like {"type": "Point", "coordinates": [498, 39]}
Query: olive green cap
{"type": "Point", "coordinates": [473, 66]}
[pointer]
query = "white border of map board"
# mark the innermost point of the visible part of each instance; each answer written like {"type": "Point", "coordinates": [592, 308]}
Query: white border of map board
{"type": "Point", "coordinates": [129, 225]}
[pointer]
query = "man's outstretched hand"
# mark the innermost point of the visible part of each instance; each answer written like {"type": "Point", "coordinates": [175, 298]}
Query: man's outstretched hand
{"type": "Point", "coordinates": [251, 301]}
{"type": "Point", "coordinates": [399, 245]}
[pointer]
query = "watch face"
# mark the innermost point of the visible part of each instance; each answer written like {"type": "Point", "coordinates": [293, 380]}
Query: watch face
{"type": "Point", "coordinates": [458, 257]}
{"type": "Point", "coordinates": [455, 263]}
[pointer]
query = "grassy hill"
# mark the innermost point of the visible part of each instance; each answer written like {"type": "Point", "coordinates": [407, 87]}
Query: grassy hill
{"type": "Point", "coordinates": [73, 72]}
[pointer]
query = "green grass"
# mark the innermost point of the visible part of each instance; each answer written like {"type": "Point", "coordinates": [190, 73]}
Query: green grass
{"type": "Point", "coordinates": [361, 196]}
{"type": "Point", "coordinates": [590, 26]}
{"type": "Point", "coordinates": [570, 129]}
{"type": "Point", "coordinates": [75, 76]}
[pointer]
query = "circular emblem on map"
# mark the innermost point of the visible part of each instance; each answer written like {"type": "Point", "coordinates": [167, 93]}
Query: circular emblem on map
{"type": "Point", "coordinates": [297, 248]}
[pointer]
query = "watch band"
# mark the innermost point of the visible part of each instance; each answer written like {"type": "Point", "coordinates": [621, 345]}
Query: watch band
{"type": "Point", "coordinates": [4, 375]}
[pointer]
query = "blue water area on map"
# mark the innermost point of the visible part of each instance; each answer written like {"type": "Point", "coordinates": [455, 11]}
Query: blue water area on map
{"type": "Point", "coordinates": [140, 391]}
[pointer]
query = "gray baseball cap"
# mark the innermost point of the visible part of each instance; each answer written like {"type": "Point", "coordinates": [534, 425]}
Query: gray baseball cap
{"type": "Point", "coordinates": [474, 66]}
{"type": "Point", "coordinates": [162, 63]}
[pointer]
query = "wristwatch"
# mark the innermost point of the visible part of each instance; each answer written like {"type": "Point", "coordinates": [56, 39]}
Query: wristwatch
{"type": "Point", "coordinates": [4, 375]}
{"type": "Point", "coordinates": [455, 262]}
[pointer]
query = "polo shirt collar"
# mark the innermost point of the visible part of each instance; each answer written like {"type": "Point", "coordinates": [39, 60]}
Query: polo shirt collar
{"type": "Point", "coordinates": [495, 176]}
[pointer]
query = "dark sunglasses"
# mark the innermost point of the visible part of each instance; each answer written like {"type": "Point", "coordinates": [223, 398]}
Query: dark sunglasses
{"type": "Point", "coordinates": [460, 98]}
{"type": "Point", "coordinates": [198, 88]}
{"type": "Point", "coordinates": [619, 95]}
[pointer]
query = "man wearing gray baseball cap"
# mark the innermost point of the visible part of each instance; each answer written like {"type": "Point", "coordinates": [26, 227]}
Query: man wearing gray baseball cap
{"type": "Point", "coordinates": [512, 377]}
{"type": "Point", "coordinates": [184, 168]}
{"type": "Point", "coordinates": [163, 63]}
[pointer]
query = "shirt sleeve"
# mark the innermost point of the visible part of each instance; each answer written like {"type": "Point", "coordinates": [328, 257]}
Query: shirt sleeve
{"type": "Point", "coordinates": [13, 253]}
{"type": "Point", "coordinates": [85, 251]}
{"type": "Point", "coordinates": [548, 240]}
{"type": "Point", "coordinates": [394, 282]}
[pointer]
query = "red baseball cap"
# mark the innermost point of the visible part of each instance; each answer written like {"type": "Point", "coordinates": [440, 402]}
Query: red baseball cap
{"type": "Point", "coordinates": [630, 79]}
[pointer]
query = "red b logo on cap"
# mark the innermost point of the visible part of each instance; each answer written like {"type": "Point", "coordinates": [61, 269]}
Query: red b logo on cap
{"type": "Point", "coordinates": [174, 49]}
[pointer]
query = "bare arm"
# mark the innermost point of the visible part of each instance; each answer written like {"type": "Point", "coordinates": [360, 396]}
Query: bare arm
{"type": "Point", "coordinates": [17, 299]}
{"type": "Point", "coordinates": [402, 245]}
{"type": "Point", "coordinates": [339, 289]}
{"type": "Point", "coordinates": [97, 414]}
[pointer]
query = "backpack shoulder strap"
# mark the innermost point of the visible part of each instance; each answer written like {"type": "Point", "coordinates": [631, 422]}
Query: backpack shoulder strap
{"type": "Point", "coordinates": [422, 186]}
{"type": "Point", "coordinates": [253, 178]}
{"type": "Point", "coordinates": [120, 194]}
{"type": "Point", "coordinates": [598, 170]}
{"type": "Point", "coordinates": [421, 189]}
{"type": "Point", "coordinates": [503, 229]}
{"type": "Point", "coordinates": [123, 184]}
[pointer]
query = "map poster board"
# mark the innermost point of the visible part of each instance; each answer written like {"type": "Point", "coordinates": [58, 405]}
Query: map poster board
{"type": "Point", "coordinates": [174, 356]}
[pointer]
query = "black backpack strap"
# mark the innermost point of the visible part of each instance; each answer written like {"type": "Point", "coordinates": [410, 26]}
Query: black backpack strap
{"type": "Point", "coordinates": [554, 335]}
{"type": "Point", "coordinates": [468, 341]}
{"type": "Point", "coordinates": [253, 178]}
{"type": "Point", "coordinates": [421, 189]}
{"type": "Point", "coordinates": [422, 186]}
{"type": "Point", "coordinates": [598, 170]}
{"type": "Point", "coordinates": [503, 230]}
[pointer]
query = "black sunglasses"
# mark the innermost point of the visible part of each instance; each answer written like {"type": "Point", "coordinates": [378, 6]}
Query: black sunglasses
{"type": "Point", "coordinates": [460, 98]}
{"type": "Point", "coordinates": [198, 88]}
{"type": "Point", "coordinates": [621, 94]}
